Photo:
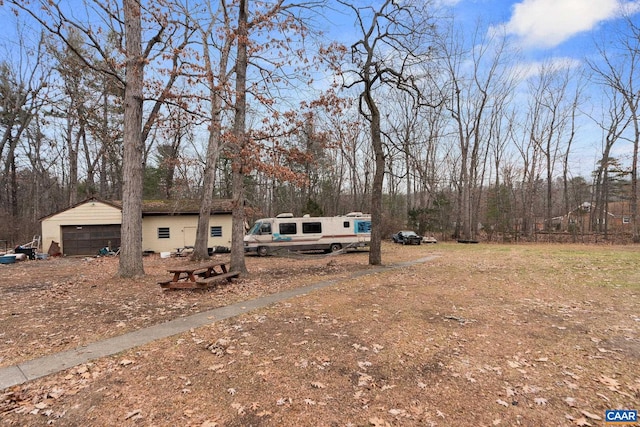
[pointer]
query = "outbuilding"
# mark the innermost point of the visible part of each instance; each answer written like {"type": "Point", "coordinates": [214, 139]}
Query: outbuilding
{"type": "Point", "coordinates": [167, 225]}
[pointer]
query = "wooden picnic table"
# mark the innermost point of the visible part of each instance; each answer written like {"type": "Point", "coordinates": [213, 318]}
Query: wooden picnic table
{"type": "Point", "coordinates": [198, 276]}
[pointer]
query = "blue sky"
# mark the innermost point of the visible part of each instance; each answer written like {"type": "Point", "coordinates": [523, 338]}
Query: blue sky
{"type": "Point", "coordinates": [542, 29]}
{"type": "Point", "coordinates": [559, 27]}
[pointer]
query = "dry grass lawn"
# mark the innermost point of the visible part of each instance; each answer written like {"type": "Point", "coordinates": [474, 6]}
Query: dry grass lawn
{"type": "Point", "coordinates": [479, 335]}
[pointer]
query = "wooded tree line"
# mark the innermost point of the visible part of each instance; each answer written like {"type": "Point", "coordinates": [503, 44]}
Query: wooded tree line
{"type": "Point", "coordinates": [423, 123]}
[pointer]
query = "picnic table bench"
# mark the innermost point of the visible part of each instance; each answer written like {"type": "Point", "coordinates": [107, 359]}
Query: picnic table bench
{"type": "Point", "coordinates": [198, 276]}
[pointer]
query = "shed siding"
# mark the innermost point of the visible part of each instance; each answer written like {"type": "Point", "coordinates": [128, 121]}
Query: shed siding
{"type": "Point", "coordinates": [182, 230]}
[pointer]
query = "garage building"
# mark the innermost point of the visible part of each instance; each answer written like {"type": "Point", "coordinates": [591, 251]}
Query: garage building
{"type": "Point", "coordinates": [87, 227]}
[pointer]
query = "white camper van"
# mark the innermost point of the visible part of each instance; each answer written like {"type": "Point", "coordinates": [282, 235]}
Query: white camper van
{"type": "Point", "coordinates": [286, 232]}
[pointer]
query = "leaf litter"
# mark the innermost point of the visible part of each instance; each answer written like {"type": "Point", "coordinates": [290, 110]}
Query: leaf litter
{"type": "Point", "coordinates": [402, 347]}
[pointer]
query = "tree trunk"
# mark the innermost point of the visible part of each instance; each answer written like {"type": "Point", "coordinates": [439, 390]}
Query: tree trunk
{"type": "Point", "coordinates": [239, 136]}
{"type": "Point", "coordinates": [375, 251]}
{"type": "Point", "coordinates": [213, 147]}
{"type": "Point", "coordinates": [131, 233]}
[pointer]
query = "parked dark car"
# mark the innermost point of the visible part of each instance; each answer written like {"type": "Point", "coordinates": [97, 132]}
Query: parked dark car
{"type": "Point", "coordinates": [407, 238]}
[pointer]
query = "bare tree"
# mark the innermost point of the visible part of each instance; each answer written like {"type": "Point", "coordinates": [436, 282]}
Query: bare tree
{"type": "Point", "coordinates": [478, 77]}
{"type": "Point", "coordinates": [216, 37]}
{"type": "Point", "coordinates": [613, 122]}
{"type": "Point", "coordinates": [617, 67]}
{"type": "Point", "coordinates": [22, 94]}
{"type": "Point", "coordinates": [394, 41]}
{"type": "Point", "coordinates": [553, 124]}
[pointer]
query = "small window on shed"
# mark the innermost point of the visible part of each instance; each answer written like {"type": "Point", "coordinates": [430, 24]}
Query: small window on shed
{"type": "Point", "coordinates": [345, 224]}
{"type": "Point", "coordinates": [216, 231]}
{"type": "Point", "coordinates": [163, 233]}
{"type": "Point", "coordinates": [288, 228]}
{"type": "Point", "coordinates": [311, 227]}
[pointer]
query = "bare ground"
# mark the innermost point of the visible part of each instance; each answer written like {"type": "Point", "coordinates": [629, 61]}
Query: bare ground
{"type": "Point", "coordinates": [482, 335]}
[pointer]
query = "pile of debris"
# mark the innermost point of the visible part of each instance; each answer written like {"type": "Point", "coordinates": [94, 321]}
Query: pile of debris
{"type": "Point", "coordinates": [23, 252]}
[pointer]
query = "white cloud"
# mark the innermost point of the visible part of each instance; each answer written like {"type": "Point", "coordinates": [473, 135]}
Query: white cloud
{"type": "Point", "coordinates": [530, 69]}
{"type": "Point", "coordinates": [547, 23]}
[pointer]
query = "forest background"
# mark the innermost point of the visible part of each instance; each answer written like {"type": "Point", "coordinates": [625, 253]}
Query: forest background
{"type": "Point", "coordinates": [401, 109]}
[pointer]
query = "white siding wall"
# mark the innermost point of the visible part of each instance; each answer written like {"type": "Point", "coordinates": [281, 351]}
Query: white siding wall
{"type": "Point", "coordinates": [182, 232]}
{"type": "Point", "coordinates": [90, 213]}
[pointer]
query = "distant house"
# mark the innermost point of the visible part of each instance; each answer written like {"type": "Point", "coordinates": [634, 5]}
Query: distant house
{"type": "Point", "coordinates": [617, 217]}
{"type": "Point", "coordinates": [87, 227]}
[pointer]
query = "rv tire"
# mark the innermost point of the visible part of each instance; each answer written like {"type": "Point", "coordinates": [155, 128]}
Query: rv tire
{"type": "Point", "coordinates": [335, 247]}
{"type": "Point", "coordinates": [263, 251]}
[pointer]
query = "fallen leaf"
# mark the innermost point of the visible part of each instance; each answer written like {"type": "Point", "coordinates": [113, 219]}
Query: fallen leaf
{"type": "Point", "coordinates": [572, 375]}
{"type": "Point", "coordinates": [502, 402]}
{"type": "Point", "coordinates": [582, 421]}
{"type": "Point", "coordinates": [318, 384]}
{"type": "Point", "coordinates": [570, 401]}
{"type": "Point", "coordinates": [611, 383]}
{"type": "Point", "coordinates": [590, 415]}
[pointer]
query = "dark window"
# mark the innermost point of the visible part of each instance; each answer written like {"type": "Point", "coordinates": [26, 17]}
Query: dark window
{"type": "Point", "coordinates": [311, 227]}
{"type": "Point", "coordinates": [288, 228]}
{"type": "Point", "coordinates": [345, 224]}
{"type": "Point", "coordinates": [216, 231]}
{"type": "Point", "coordinates": [163, 233]}
{"type": "Point", "coordinates": [265, 228]}
{"type": "Point", "coordinates": [363, 226]}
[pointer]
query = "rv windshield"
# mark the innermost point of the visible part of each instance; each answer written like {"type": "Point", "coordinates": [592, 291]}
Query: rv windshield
{"type": "Point", "coordinates": [260, 228]}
